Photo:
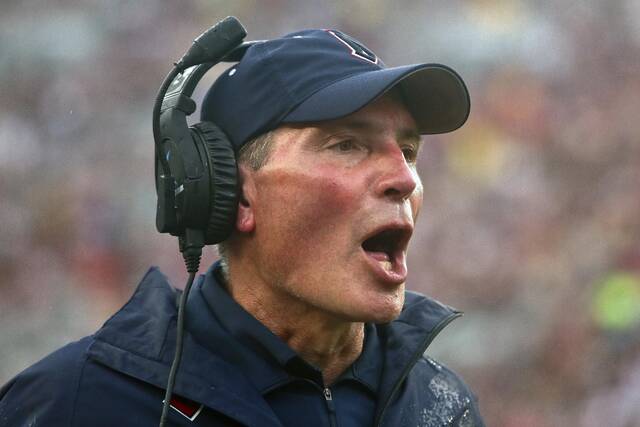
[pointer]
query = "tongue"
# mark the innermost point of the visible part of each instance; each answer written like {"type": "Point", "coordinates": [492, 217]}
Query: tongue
{"type": "Point", "coordinates": [379, 256]}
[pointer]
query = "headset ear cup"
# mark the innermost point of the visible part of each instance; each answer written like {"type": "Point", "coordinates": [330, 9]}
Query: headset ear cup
{"type": "Point", "coordinates": [223, 174]}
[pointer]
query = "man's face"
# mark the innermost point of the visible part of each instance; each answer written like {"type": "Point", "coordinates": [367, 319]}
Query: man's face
{"type": "Point", "coordinates": [334, 208]}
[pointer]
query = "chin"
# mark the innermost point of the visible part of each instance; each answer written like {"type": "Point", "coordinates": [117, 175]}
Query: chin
{"type": "Point", "coordinates": [383, 311]}
{"type": "Point", "coordinates": [385, 316]}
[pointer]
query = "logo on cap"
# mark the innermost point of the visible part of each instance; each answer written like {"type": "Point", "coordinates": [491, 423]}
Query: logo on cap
{"type": "Point", "coordinates": [357, 48]}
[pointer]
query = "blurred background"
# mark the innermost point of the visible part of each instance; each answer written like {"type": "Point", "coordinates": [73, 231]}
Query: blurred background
{"type": "Point", "coordinates": [531, 222]}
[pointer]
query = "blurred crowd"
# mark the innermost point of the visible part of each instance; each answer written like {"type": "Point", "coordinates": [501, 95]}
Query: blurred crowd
{"type": "Point", "coordinates": [531, 221]}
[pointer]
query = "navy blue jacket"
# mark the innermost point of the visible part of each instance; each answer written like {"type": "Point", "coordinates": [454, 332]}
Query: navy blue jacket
{"type": "Point", "coordinates": [116, 376]}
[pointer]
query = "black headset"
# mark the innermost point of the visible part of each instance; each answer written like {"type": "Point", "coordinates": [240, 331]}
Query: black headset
{"type": "Point", "coordinates": [195, 166]}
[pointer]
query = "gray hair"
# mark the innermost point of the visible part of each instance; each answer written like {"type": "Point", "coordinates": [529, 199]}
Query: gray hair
{"type": "Point", "coordinates": [254, 154]}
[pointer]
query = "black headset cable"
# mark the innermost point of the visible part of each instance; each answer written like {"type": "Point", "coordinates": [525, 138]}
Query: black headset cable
{"type": "Point", "coordinates": [192, 261]}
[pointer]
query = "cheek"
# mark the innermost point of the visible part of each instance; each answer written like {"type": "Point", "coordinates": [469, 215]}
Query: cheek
{"type": "Point", "coordinates": [416, 199]}
{"type": "Point", "coordinates": [297, 201]}
{"type": "Point", "coordinates": [303, 223]}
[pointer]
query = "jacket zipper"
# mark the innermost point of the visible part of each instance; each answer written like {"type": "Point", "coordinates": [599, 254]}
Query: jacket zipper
{"type": "Point", "coordinates": [332, 410]}
{"type": "Point", "coordinates": [418, 354]}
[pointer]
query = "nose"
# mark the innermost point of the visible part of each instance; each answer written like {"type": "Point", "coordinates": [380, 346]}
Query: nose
{"type": "Point", "coordinates": [398, 179]}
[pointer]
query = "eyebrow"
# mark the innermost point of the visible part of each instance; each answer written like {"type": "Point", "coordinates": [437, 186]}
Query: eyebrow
{"type": "Point", "coordinates": [403, 134]}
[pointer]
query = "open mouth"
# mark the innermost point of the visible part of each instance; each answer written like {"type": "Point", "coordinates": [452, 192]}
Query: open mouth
{"type": "Point", "coordinates": [383, 245]}
{"type": "Point", "coordinates": [385, 250]}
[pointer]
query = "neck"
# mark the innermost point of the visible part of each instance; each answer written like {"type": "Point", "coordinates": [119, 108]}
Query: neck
{"type": "Point", "coordinates": [329, 343]}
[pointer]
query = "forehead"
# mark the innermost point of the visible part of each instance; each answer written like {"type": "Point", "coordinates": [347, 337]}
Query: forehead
{"type": "Point", "coordinates": [386, 115]}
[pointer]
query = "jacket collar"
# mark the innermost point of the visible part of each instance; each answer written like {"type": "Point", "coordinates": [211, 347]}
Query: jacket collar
{"type": "Point", "coordinates": [407, 339]}
{"type": "Point", "coordinates": [139, 341]}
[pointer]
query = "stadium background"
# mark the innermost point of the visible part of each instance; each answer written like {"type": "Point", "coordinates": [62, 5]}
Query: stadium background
{"type": "Point", "coordinates": [531, 221]}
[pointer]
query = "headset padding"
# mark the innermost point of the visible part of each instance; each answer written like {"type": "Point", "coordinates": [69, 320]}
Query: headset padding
{"type": "Point", "coordinates": [223, 174]}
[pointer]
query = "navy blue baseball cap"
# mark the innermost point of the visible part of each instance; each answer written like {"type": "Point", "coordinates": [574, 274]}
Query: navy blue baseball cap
{"type": "Point", "coordinates": [317, 75]}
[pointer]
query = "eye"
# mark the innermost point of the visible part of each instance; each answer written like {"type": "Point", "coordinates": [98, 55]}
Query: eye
{"type": "Point", "coordinates": [345, 145]}
{"type": "Point", "coordinates": [410, 153]}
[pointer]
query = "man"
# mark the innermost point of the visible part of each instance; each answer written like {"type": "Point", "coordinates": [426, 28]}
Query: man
{"type": "Point", "coordinates": [306, 320]}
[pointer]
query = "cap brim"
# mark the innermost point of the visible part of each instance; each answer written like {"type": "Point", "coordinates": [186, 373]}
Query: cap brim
{"type": "Point", "coordinates": [435, 95]}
